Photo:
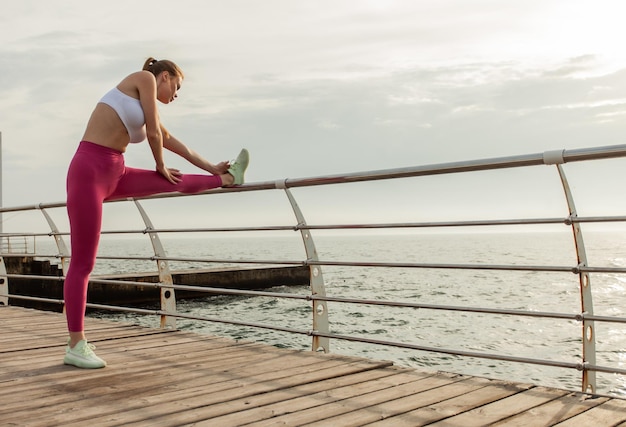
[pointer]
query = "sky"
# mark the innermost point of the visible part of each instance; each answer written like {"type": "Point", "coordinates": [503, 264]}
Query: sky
{"type": "Point", "coordinates": [325, 87]}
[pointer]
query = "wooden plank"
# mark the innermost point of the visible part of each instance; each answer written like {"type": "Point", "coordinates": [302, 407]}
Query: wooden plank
{"type": "Point", "coordinates": [212, 403]}
{"type": "Point", "coordinates": [608, 413]}
{"type": "Point", "coordinates": [251, 408]}
{"type": "Point", "coordinates": [233, 375]}
{"type": "Point", "coordinates": [246, 386]}
{"type": "Point", "coordinates": [208, 390]}
{"type": "Point", "coordinates": [504, 408]}
{"type": "Point", "coordinates": [448, 400]}
{"type": "Point", "coordinates": [122, 387]}
{"type": "Point", "coordinates": [343, 401]}
{"type": "Point", "coordinates": [42, 339]}
{"type": "Point", "coordinates": [299, 397]}
{"type": "Point", "coordinates": [168, 378]}
{"type": "Point", "coordinates": [60, 376]}
{"type": "Point", "coordinates": [47, 329]}
{"type": "Point", "coordinates": [553, 412]}
{"type": "Point", "coordinates": [171, 359]}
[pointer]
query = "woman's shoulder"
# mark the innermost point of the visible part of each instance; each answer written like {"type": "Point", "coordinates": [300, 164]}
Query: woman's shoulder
{"type": "Point", "coordinates": [137, 81]}
{"type": "Point", "coordinates": [139, 77]}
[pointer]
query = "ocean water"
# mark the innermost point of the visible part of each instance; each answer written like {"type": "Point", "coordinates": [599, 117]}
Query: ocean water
{"type": "Point", "coordinates": [550, 339]}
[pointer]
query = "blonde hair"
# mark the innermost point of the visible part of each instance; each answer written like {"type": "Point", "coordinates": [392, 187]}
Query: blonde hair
{"type": "Point", "coordinates": [156, 67]}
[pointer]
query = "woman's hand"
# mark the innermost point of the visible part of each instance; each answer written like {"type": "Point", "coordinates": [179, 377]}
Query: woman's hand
{"type": "Point", "coordinates": [220, 168]}
{"type": "Point", "coordinates": [172, 175]}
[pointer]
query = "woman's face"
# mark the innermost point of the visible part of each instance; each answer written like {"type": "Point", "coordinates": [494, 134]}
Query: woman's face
{"type": "Point", "coordinates": [168, 87]}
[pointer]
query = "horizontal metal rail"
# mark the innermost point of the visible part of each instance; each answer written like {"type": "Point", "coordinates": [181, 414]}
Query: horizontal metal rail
{"type": "Point", "coordinates": [165, 313]}
{"type": "Point", "coordinates": [536, 159]}
{"type": "Point", "coordinates": [239, 292]}
{"type": "Point", "coordinates": [456, 352]}
{"type": "Point", "coordinates": [296, 227]}
{"type": "Point", "coordinates": [496, 267]}
{"type": "Point", "coordinates": [212, 319]}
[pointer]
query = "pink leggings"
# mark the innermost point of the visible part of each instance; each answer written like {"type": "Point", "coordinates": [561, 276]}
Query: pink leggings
{"type": "Point", "coordinates": [97, 174]}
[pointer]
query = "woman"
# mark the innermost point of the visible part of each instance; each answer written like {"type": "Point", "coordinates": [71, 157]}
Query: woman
{"type": "Point", "coordinates": [126, 114]}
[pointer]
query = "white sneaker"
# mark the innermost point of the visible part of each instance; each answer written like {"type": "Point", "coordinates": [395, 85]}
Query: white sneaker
{"type": "Point", "coordinates": [82, 356]}
{"type": "Point", "coordinates": [239, 166]}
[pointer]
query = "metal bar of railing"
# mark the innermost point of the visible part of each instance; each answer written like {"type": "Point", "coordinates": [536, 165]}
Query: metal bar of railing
{"type": "Point", "coordinates": [491, 356]}
{"type": "Point", "coordinates": [36, 277]}
{"type": "Point", "coordinates": [210, 319]}
{"type": "Point", "coordinates": [511, 267]}
{"type": "Point", "coordinates": [522, 313]}
{"type": "Point", "coordinates": [208, 260]}
{"type": "Point", "coordinates": [568, 156]}
{"type": "Point", "coordinates": [165, 313]}
{"type": "Point", "coordinates": [31, 298]}
{"type": "Point", "coordinates": [536, 159]}
{"type": "Point", "coordinates": [496, 267]}
{"type": "Point", "coordinates": [434, 224]}
{"type": "Point", "coordinates": [401, 304]}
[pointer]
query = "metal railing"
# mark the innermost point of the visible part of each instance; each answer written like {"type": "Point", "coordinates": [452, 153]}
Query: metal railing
{"type": "Point", "coordinates": [21, 244]}
{"type": "Point", "coordinates": [320, 331]}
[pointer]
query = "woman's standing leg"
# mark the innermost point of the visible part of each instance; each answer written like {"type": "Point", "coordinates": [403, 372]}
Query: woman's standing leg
{"type": "Point", "coordinates": [92, 175]}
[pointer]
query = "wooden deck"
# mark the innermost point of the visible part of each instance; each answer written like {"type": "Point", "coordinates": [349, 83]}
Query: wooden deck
{"type": "Point", "coordinates": [173, 378]}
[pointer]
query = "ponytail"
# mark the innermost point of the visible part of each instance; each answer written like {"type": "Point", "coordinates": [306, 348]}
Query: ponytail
{"type": "Point", "coordinates": [156, 67]}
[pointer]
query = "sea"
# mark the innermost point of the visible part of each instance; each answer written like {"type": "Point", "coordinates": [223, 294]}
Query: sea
{"type": "Point", "coordinates": [528, 337]}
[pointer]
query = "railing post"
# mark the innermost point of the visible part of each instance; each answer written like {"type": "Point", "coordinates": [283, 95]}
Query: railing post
{"type": "Point", "coordinates": [168, 296]}
{"type": "Point", "coordinates": [588, 330]}
{"type": "Point", "coordinates": [4, 283]}
{"type": "Point", "coordinates": [61, 247]}
{"type": "Point", "coordinates": [320, 308]}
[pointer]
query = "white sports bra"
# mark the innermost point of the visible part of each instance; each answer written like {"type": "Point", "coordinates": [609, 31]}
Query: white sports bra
{"type": "Point", "coordinates": [130, 112]}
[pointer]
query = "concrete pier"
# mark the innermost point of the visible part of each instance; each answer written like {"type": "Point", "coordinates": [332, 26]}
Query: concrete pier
{"type": "Point", "coordinates": [250, 278]}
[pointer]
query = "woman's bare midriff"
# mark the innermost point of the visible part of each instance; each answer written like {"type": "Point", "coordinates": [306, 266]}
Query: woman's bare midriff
{"type": "Point", "coordinates": [106, 128]}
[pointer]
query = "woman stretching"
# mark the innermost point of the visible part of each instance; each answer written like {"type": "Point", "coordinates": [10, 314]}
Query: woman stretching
{"type": "Point", "coordinates": [126, 114]}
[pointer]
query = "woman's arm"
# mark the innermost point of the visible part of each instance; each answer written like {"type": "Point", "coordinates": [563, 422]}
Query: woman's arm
{"type": "Point", "coordinates": [147, 88]}
{"type": "Point", "coordinates": [176, 146]}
